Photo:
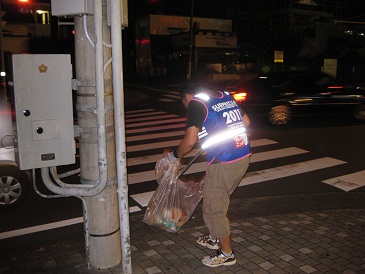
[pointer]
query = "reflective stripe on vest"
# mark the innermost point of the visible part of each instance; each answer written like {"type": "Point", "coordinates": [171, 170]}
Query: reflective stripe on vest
{"type": "Point", "coordinates": [223, 134]}
{"type": "Point", "coordinates": [222, 137]}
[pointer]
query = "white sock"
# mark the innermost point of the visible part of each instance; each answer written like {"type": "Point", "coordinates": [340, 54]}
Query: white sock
{"type": "Point", "coordinates": [227, 254]}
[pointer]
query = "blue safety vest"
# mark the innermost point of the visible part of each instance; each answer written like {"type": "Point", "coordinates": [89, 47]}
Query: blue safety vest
{"type": "Point", "coordinates": [223, 136]}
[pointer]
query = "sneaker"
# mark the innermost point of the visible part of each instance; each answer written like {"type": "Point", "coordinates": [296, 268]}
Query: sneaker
{"type": "Point", "coordinates": [218, 259]}
{"type": "Point", "coordinates": [208, 241]}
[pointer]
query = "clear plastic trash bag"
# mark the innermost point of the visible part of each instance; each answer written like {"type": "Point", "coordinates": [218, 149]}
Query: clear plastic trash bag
{"type": "Point", "coordinates": [175, 199]}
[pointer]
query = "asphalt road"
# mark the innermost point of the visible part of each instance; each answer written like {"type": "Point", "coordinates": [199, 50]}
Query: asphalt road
{"type": "Point", "coordinates": [297, 167]}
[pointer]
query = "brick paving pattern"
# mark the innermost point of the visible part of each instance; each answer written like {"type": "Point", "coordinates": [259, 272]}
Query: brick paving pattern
{"type": "Point", "coordinates": [328, 241]}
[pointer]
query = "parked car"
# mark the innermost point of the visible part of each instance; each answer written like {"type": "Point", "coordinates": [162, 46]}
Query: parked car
{"type": "Point", "coordinates": [284, 94]}
{"type": "Point", "coordinates": [14, 183]}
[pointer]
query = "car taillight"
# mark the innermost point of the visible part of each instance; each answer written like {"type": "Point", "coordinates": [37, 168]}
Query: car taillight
{"type": "Point", "coordinates": [240, 97]}
{"type": "Point", "coordinates": [335, 87]}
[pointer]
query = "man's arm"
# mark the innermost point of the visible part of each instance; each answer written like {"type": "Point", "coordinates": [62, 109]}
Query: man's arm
{"type": "Point", "coordinates": [246, 120]}
{"type": "Point", "coordinates": [188, 142]}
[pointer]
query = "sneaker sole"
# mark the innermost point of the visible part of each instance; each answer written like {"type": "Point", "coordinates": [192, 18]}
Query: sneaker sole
{"type": "Point", "coordinates": [216, 265]}
{"type": "Point", "coordinates": [208, 245]}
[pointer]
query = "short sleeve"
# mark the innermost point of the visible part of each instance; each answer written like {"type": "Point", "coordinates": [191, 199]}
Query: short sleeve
{"type": "Point", "coordinates": [196, 114]}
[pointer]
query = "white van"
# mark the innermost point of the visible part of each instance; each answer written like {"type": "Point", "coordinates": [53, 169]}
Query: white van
{"type": "Point", "coordinates": [14, 183]}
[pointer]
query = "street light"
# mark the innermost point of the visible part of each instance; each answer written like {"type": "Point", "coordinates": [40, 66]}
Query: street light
{"type": "Point", "coordinates": [23, 6]}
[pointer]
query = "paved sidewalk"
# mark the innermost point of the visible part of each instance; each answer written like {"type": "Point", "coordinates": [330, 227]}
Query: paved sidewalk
{"type": "Point", "coordinates": [281, 240]}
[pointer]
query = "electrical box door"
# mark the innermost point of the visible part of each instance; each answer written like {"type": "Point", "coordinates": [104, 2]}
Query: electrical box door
{"type": "Point", "coordinates": [72, 7]}
{"type": "Point", "coordinates": [43, 109]}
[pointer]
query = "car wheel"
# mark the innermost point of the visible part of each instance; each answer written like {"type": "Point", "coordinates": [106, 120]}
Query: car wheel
{"type": "Point", "coordinates": [359, 113]}
{"type": "Point", "coordinates": [14, 186]}
{"type": "Point", "coordinates": [280, 115]}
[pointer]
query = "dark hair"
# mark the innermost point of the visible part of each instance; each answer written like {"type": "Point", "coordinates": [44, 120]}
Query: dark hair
{"type": "Point", "coordinates": [194, 88]}
{"type": "Point", "coordinates": [186, 89]}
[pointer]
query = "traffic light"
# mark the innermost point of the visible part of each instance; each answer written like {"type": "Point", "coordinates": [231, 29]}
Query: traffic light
{"type": "Point", "coordinates": [23, 6]}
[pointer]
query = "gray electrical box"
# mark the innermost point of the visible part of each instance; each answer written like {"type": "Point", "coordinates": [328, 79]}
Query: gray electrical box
{"type": "Point", "coordinates": [77, 7]}
{"type": "Point", "coordinates": [72, 7]}
{"type": "Point", "coordinates": [43, 109]}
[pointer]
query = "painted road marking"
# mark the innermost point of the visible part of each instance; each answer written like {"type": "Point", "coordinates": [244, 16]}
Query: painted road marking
{"type": "Point", "coordinates": [173, 95]}
{"type": "Point", "coordinates": [144, 114]}
{"type": "Point", "coordinates": [156, 122]}
{"type": "Point", "coordinates": [38, 228]}
{"type": "Point", "coordinates": [167, 100]}
{"type": "Point", "coordinates": [177, 93]}
{"type": "Point", "coordinates": [265, 175]}
{"type": "Point", "coordinates": [289, 170]}
{"type": "Point", "coordinates": [344, 182]}
{"type": "Point", "coordinates": [146, 130]}
{"type": "Point", "coordinates": [167, 144]}
{"type": "Point", "coordinates": [137, 86]}
{"type": "Point", "coordinates": [348, 182]}
{"type": "Point", "coordinates": [274, 154]}
{"type": "Point", "coordinates": [256, 157]}
{"type": "Point", "coordinates": [131, 112]}
{"type": "Point", "coordinates": [155, 135]}
{"type": "Point", "coordinates": [149, 175]}
{"type": "Point", "coordinates": [133, 120]}
{"type": "Point", "coordinates": [176, 97]}
{"type": "Point", "coordinates": [153, 158]}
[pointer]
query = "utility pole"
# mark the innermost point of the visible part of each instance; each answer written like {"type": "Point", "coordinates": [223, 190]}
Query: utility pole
{"type": "Point", "coordinates": [100, 111]}
{"type": "Point", "coordinates": [101, 220]}
{"type": "Point", "coordinates": [2, 63]}
{"type": "Point", "coordinates": [191, 40]}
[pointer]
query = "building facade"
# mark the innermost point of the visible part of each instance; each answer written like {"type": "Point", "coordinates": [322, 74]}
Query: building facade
{"type": "Point", "coordinates": [163, 45]}
{"type": "Point", "coordinates": [20, 23]}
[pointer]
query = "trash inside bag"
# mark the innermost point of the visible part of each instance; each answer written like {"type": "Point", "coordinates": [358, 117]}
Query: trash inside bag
{"type": "Point", "coordinates": [175, 199]}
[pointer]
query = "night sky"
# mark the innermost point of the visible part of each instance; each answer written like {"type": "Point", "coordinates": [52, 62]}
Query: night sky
{"type": "Point", "coordinates": [219, 8]}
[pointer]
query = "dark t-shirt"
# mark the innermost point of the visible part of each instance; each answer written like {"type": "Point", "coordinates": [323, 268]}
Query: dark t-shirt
{"type": "Point", "coordinates": [195, 115]}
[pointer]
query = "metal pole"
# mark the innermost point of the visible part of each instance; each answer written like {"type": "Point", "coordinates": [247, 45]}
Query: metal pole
{"type": "Point", "coordinates": [191, 40]}
{"type": "Point", "coordinates": [119, 115]}
{"type": "Point", "coordinates": [2, 66]}
{"type": "Point", "coordinates": [95, 119]}
{"type": "Point", "coordinates": [105, 251]}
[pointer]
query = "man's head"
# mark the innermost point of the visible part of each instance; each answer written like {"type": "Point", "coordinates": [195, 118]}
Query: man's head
{"type": "Point", "coordinates": [187, 94]}
{"type": "Point", "coordinates": [191, 89]}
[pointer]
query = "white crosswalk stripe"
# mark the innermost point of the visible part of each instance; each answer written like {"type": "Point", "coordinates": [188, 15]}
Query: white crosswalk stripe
{"type": "Point", "coordinates": [155, 136]}
{"type": "Point", "coordinates": [197, 167]}
{"type": "Point", "coordinates": [348, 182]}
{"type": "Point", "coordinates": [133, 120]}
{"type": "Point", "coordinates": [257, 157]}
{"type": "Point", "coordinates": [170, 96]}
{"type": "Point", "coordinates": [167, 100]}
{"type": "Point", "coordinates": [155, 122]}
{"type": "Point", "coordinates": [167, 96]}
{"type": "Point", "coordinates": [288, 170]}
{"type": "Point", "coordinates": [143, 113]}
{"type": "Point", "coordinates": [176, 97]}
{"type": "Point", "coordinates": [147, 129]}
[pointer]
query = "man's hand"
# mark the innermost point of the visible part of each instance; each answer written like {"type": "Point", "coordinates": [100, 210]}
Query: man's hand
{"type": "Point", "coordinates": [171, 159]}
{"type": "Point", "coordinates": [165, 151]}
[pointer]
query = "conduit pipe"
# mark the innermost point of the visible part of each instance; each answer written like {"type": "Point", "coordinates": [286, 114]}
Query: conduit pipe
{"type": "Point", "coordinates": [86, 224]}
{"type": "Point", "coordinates": [79, 190]}
{"type": "Point", "coordinates": [121, 155]}
{"type": "Point", "coordinates": [57, 178]}
{"type": "Point", "coordinates": [86, 32]}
